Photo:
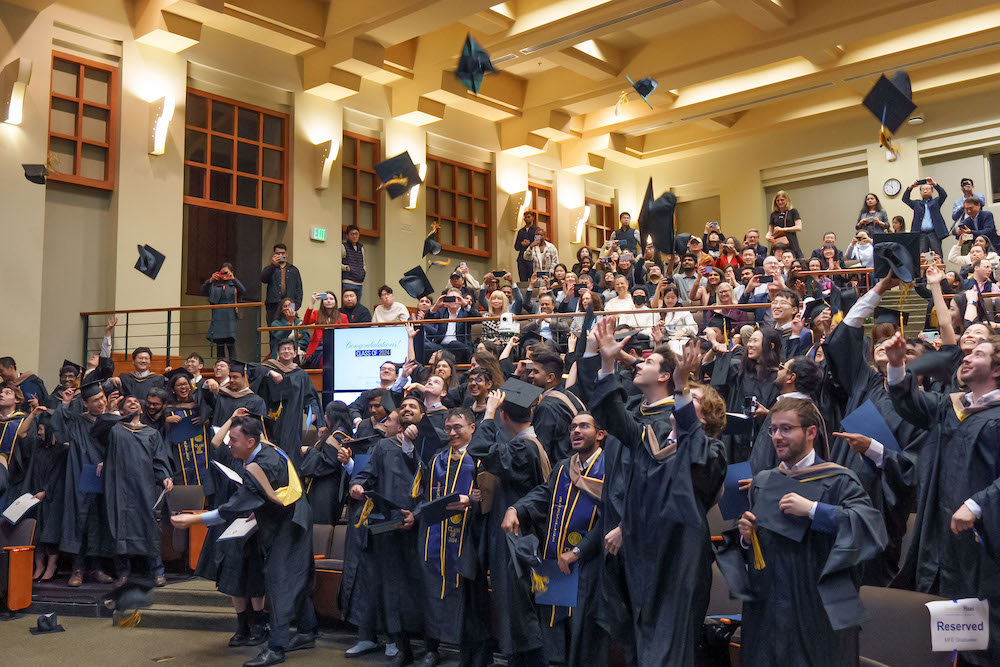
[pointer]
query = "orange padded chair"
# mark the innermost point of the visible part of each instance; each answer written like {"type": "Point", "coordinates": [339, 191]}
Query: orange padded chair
{"type": "Point", "coordinates": [17, 561]}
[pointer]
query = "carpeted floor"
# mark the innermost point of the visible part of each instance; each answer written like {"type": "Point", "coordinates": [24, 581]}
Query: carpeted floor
{"type": "Point", "coordinates": [94, 641]}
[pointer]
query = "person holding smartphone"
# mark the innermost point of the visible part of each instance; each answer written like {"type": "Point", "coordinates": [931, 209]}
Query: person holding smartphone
{"type": "Point", "coordinates": [927, 219]}
{"type": "Point", "coordinates": [542, 255]}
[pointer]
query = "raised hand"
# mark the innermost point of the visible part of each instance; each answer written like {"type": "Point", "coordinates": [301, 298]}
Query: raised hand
{"type": "Point", "coordinates": [895, 349]}
{"type": "Point", "coordinates": [859, 443]}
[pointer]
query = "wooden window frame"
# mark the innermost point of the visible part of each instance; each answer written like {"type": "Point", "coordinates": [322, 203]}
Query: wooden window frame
{"type": "Point", "coordinates": [601, 208]}
{"type": "Point", "coordinates": [550, 226]}
{"type": "Point", "coordinates": [433, 192]}
{"type": "Point", "coordinates": [284, 181]}
{"type": "Point", "coordinates": [111, 143]}
{"type": "Point", "coordinates": [358, 170]}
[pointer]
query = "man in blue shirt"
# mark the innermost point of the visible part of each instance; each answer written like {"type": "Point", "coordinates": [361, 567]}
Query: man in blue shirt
{"type": "Point", "coordinates": [958, 206]}
{"type": "Point", "coordinates": [927, 215]}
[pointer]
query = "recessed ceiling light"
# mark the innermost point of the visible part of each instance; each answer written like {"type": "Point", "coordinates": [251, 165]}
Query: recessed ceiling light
{"type": "Point", "coordinates": [916, 120]}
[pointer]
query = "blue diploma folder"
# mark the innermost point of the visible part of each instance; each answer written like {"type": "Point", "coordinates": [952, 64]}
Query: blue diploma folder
{"type": "Point", "coordinates": [559, 589]}
{"type": "Point", "coordinates": [734, 502]}
{"type": "Point", "coordinates": [867, 420]}
{"type": "Point", "coordinates": [89, 481]}
{"type": "Point", "coordinates": [184, 430]}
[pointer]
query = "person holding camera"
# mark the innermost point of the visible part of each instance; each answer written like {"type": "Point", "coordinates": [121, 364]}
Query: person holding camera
{"type": "Point", "coordinates": [327, 313]}
{"type": "Point", "coordinates": [282, 279]}
{"type": "Point", "coordinates": [542, 254]}
{"type": "Point", "coordinates": [927, 217]}
{"type": "Point", "coordinates": [222, 288]}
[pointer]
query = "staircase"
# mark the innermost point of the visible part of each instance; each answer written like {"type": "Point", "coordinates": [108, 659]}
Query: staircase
{"type": "Point", "coordinates": [190, 605]}
{"type": "Point", "coordinates": [912, 303]}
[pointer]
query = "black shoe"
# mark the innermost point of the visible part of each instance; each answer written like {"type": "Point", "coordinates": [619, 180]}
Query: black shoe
{"type": "Point", "coordinates": [239, 639]}
{"type": "Point", "coordinates": [269, 656]}
{"type": "Point", "coordinates": [258, 634]}
{"type": "Point", "coordinates": [301, 640]}
{"type": "Point", "coordinates": [242, 635]}
{"type": "Point", "coordinates": [431, 659]}
{"type": "Point", "coordinates": [402, 658]}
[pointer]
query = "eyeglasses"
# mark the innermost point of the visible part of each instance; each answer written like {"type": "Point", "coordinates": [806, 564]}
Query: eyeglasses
{"type": "Point", "coordinates": [784, 429]}
{"type": "Point", "coordinates": [454, 429]}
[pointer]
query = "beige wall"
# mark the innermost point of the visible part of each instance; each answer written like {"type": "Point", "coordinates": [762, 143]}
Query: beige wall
{"type": "Point", "coordinates": [692, 215]}
{"type": "Point", "coordinates": [829, 204]}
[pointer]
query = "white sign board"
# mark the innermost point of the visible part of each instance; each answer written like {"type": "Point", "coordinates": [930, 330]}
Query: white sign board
{"type": "Point", "coordinates": [959, 625]}
{"type": "Point", "coordinates": [359, 353]}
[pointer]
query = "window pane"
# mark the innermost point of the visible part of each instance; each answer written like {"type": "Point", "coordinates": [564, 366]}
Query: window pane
{"type": "Point", "coordinates": [447, 204]}
{"type": "Point", "coordinates": [464, 208]}
{"type": "Point", "coordinates": [447, 177]}
{"type": "Point", "coordinates": [197, 111]}
{"type": "Point", "coordinates": [249, 125]}
{"type": "Point", "coordinates": [366, 216]}
{"type": "Point", "coordinates": [194, 182]}
{"type": "Point", "coordinates": [95, 124]}
{"type": "Point", "coordinates": [271, 164]}
{"type": "Point", "coordinates": [222, 152]}
{"type": "Point", "coordinates": [479, 207]}
{"type": "Point", "coordinates": [246, 191]}
{"type": "Point", "coordinates": [194, 145]}
{"type": "Point", "coordinates": [273, 130]}
{"type": "Point", "coordinates": [63, 155]}
{"type": "Point", "coordinates": [366, 185]}
{"type": "Point", "coordinates": [431, 178]}
{"type": "Point", "coordinates": [432, 200]}
{"type": "Point", "coordinates": [96, 86]}
{"type": "Point", "coordinates": [350, 150]}
{"type": "Point", "coordinates": [62, 120]}
{"type": "Point", "coordinates": [222, 117]}
{"type": "Point", "coordinates": [367, 154]}
{"type": "Point", "coordinates": [347, 209]}
{"type": "Point", "coordinates": [246, 158]}
{"type": "Point", "coordinates": [221, 188]}
{"type": "Point", "coordinates": [479, 238]}
{"type": "Point", "coordinates": [347, 182]}
{"type": "Point", "coordinates": [479, 184]}
{"type": "Point", "coordinates": [93, 162]}
{"type": "Point", "coordinates": [271, 197]}
{"type": "Point", "coordinates": [65, 78]}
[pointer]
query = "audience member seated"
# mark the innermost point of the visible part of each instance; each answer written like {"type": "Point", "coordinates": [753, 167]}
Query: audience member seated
{"type": "Point", "coordinates": [968, 190]}
{"type": "Point", "coordinates": [554, 329]}
{"type": "Point", "coordinates": [977, 222]}
{"type": "Point", "coordinates": [350, 307]}
{"type": "Point", "coordinates": [327, 313]}
{"type": "Point", "coordinates": [287, 317]}
{"type": "Point", "coordinates": [898, 224]}
{"type": "Point", "coordinates": [456, 337]}
{"type": "Point", "coordinates": [459, 280]}
{"type": "Point", "coordinates": [388, 310]}
{"type": "Point", "coordinates": [976, 252]}
{"type": "Point", "coordinates": [752, 240]}
{"type": "Point", "coordinates": [729, 254]}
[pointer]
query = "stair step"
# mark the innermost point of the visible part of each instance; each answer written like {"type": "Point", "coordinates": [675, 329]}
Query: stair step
{"type": "Point", "coordinates": [188, 597]}
{"type": "Point", "coordinates": [189, 617]}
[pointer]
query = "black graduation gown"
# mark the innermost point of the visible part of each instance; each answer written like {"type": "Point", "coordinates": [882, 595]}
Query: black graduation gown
{"type": "Point", "coordinates": [893, 487]}
{"type": "Point", "coordinates": [735, 387]}
{"type": "Point", "coordinates": [665, 535]}
{"type": "Point", "coordinates": [288, 402]}
{"type": "Point", "coordinates": [399, 477]}
{"type": "Point", "coordinates": [456, 601]}
{"type": "Point", "coordinates": [517, 465]}
{"type": "Point", "coordinates": [323, 480]}
{"type": "Point", "coordinates": [17, 450]}
{"type": "Point", "coordinates": [614, 612]}
{"type": "Point", "coordinates": [84, 521]}
{"type": "Point", "coordinates": [805, 608]}
{"type": "Point", "coordinates": [959, 460]}
{"type": "Point", "coordinates": [360, 595]}
{"type": "Point", "coordinates": [134, 469]}
{"type": "Point", "coordinates": [139, 387]}
{"type": "Point", "coordinates": [283, 540]}
{"type": "Point", "coordinates": [572, 635]}
{"type": "Point", "coordinates": [47, 473]}
{"type": "Point", "coordinates": [226, 404]}
{"type": "Point", "coordinates": [551, 419]}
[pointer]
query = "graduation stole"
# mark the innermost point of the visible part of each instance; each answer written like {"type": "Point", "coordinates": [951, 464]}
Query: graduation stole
{"type": "Point", "coordinates": [962, 411]}
{"type": "Point", "coordinates": [245, 391]}
{"type": "Point", "coordinates": [285, 495]}
{"type": "Point", "coordinates": [192, 454]}
{"type": "Point", "coordinates": [444, 541]}
{"type": "Point", "coordinates": [572, 509]}
{"type": "Point", "coordinates": [334, 442]}
{"type": "Point", "coordinates": [8, 432]}
{"type": "Point", "coordinates": [647, 409]}
{"type": "Point", "coordinates": [148, 375]}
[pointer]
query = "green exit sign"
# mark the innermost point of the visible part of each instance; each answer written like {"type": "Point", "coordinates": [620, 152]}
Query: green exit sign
{"type": "Point", "coordinates": [318, 234]}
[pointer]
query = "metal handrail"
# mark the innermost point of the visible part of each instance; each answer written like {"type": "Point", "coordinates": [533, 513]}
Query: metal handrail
{"type": "Point", "coordinates": [242, 304]}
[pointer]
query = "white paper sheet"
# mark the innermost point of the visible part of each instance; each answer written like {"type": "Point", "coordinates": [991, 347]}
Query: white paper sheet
{"type": "Point", "coordinates": [959, 625]}
{"type": "Point", "coordinates": [16, 511]}
{"type": "Point", "coordinates": [239, 528]}
{"type": "Point", "coordinates": [229, 472]}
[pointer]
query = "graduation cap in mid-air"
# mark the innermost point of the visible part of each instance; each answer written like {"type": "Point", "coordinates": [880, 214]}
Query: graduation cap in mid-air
{"type": "Point", "coordinates": [643, 220]}
{"type": "Point", "coordinates": [899, 252]}
{"type": "Point", "coordinates": [473, 65]}
{"type": "Point", "coordinates": [681, 242]}
{"type": "Point", "coordinates": [890, 100]}
{"type": "Point", "coordinates": [415, 283]}
{"type": "Point", "coordinates": [644, 86]}
{"type": "Point", "coordinates": [36, 173]}
{"type": "Point", "coordinates": [661, 222]}
{"type": "Point", "coordinates": [398, 174]}
{"type": "Point", "coordinates": [883, 315]}
{"type": "Point", "coordinates": [521, 394]}
{"type": "Point", "coordinates": [431, 245]}
{"type": "Point", "coordinates": [150, 261]}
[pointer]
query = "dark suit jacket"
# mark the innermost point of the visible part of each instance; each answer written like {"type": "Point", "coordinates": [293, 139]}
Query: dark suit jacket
{"type": "Point", "coordinates": [436, 332]}
{"type": "Point", "coordinates": [934, 204]}
{"type": "Point", "coordinates": [983, 225]}
{"type": "Point", "coordinates": [559, 326]}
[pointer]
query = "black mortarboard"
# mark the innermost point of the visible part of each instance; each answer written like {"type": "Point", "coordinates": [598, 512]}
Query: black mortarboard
{"type": "Point", "coordinates": [383, 505]}
{"type": "Point", "coordinates": [237, 367]}
{"type": "Point", "coordinates": [661, 221]}
{"type": "Point", "coordinates": [398, 174]}
{"type": "Point", "coordinates": [362, 445]}
{"type": "Point", "coordinates": [69, 364]}
{"type": "Point", "coordinates": [890, 315]}
{"type": "Point", "coordinates": [890, 100]}
{"type": "Point", "coordinates": [644, 219]}
{"type": "Point", "coordinates": [681, 243]}
{"type": "Point", "coordinates": [387, 402]}
{"type": "Point", "coordinates": [738, 425]}
{"type": "Point", "coordinates": [900, 252]}
{"type": "Point", "coordinates": [473, 65]}
{"type": "Point", "coordinates": [150, 260]}
{"type": "Point", "coordinates": [414, 282]}
{"type": "Point", "coordinates": [625, 333]}
{"type": "Point", "coordinates": [36, 173]}
{"type": "Point", "coordinates": [843, 300]}
{"type": "Point", "coordinates": [523, 551]}
{"type": "Point", "coordinates": [132, 595]}
{"type": "Point", "coordinates": [644, 86]}
{"type": "Point", "coordinates": [520, 393]}
{"type": "Point", "coordinates": [769, 515]}
{"type": "Point", "coordinates": [721, 322]}
{"type": "Point", "coordinates": [91, 389]}
{"type": "Point", "coordinates": [431, 246]}
{"type": "Point", "coordinates": [178, 372]}
{"type": "Point", "coordinates": [814, 307]}
{"type": "Point", "coordinates": [437, 511]}
{"type": "Point", "coordinates": [529, 338]}
{"type": "Point", "coordinates": [45, 624]}
{"type": "Point", "coordinates": [937, 365]}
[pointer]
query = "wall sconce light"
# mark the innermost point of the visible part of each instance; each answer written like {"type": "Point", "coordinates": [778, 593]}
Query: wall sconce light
{"type": "Point", "coordinates": [160, 113]}
{"type": "Point", "coordinates": [580, 218]}
{"type": "Point", "coordinates": [411, 196]}
{"type": "Point", "coordinates": [326, 155]}
{"type": "Point", "coordinates": [522, 200]}
{"type": "Point", "coordinates": [13, 85]}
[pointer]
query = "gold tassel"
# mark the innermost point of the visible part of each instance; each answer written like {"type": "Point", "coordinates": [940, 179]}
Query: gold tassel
{"type": "Point", "coordinates": [539, 584]}
{"type": "Point", "coordinates": [758, 557]}
{"type": "Point", "coordinates": [622, 99]}
{"type": "Point", "coordinates": [365, 511]}
{"type": "Point", "coordinates": [129, 621]}
{"type": "Point", "coordinates": [415, 489]}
